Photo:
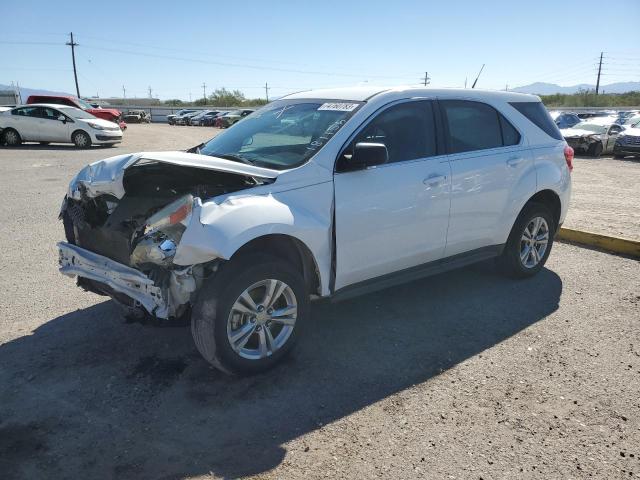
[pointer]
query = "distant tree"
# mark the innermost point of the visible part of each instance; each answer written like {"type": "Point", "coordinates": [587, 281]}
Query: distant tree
{"type": "Point", "coordinates": [222, 97]}
{"type": "Point", "coordinates": [588, 98]}
{"type": "Point", "coordinates": [174, 102]}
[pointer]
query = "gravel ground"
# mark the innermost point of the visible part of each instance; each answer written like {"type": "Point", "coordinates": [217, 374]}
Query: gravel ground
{"type": "Point", "coordinates": [606, 197]}
{"type": "Point", "coordinates": [463, 375]}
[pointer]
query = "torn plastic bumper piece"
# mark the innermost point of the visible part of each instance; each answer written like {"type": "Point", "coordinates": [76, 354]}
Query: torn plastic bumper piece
{"type": "Point", "coordinates": [76, 261]}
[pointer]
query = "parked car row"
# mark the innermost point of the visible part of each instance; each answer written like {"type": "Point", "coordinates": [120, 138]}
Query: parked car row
{"type": "Point", "coordinates": [595, 133]}
{"type": "Point", "coordinates": [210, 118]}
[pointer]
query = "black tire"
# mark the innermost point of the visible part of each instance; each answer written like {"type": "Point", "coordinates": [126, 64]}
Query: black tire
{"type": "Point", "coordinates": [510, 261]}
{"type": "Point", "coordinates": [44, 143]}
{"type": "Point", "coordinates": [617, 156]}
{"type": "Point", "coordinates": [81, 139]}
{"type": "Point", "coordinates": [216, 298]}
{"type": "Point", "coordinates": [11, 137]}
{"type": "Point", "coordinates": [595, 150]}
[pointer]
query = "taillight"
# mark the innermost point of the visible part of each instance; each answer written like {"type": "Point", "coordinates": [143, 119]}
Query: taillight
{"type": "Point", "coordinates": [568, 157]}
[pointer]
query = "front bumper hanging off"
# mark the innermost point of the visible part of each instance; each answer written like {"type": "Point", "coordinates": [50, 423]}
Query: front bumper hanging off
{"type": "Point", "coordinates": [76, 261]}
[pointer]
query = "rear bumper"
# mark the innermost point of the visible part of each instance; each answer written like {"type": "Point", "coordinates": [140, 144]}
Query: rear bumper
{"type": "Point", "coordinates": [76, 261]}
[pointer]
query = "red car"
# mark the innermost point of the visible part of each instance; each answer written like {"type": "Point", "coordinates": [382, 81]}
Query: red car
{"type": "Point", "coordinates": [110, 114]}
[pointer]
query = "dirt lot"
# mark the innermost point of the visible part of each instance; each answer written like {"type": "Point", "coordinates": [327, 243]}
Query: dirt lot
{"type": "Point", "coordinates": [606, 197]}
{"type": "Point", "coordinates": [464, 375]}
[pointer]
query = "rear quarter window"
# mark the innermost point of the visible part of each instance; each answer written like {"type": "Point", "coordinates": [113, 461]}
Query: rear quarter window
{"type": "Point", "coordinates": [537, 114]}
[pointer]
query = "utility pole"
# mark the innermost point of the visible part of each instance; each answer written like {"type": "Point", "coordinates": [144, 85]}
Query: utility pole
{"type": "Point", "coordinates": [426, 79]}
{"type": "Point", "coordinates": [150, 96]}
{"type": "Point", "coordinates": [190, 97]}
{"type": "Point", "coordinates": [204, 92]}
{"type": "Point", "coordinates": [124, 95]}
{"type": "Point", "coordinates": [506, 87]}
{"type": "Point", "coordinates": [266, 90]}
{"type": "Point", "coordinates": [465, 82]}
{"type": "Point", "coordinates": [73, 45]}
{"type": "Point", "coordinates": [599, 70]}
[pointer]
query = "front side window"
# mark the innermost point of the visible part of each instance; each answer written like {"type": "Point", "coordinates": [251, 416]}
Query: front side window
{"type": "Point", "coordinates": [407, 130]}
{"type": "Point", "coordinates": [49, 113]}
{"type": "Point", "coordinates": [282, 134]}
{"type": "Point", "coordinates": [471, 125]}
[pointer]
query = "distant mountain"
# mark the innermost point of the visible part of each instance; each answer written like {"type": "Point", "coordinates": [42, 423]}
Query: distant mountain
{"type": "Point", "coordinates": [540, 88]}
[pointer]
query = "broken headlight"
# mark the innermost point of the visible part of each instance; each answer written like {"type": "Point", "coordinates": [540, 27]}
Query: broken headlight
{"type": "Point", "coordinates": [157, 242]}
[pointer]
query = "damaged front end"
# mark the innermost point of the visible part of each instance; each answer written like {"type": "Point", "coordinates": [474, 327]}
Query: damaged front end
{"type": "Point", "coordinates": [124, 226]}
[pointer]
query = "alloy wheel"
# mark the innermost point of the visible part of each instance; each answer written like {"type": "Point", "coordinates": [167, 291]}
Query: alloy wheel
{"type": "Point", "coordinates": [534, 241]}
{"type": "Point", "coordinates": [262, 319]}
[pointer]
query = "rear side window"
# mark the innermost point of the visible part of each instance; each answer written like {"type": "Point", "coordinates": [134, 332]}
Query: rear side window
{"type": "Point", "coordinates": [471, 125]}
{"type": "Point", "coordinates": [538, 115]}
{"type": "Point", "coordinates": [510, 135]}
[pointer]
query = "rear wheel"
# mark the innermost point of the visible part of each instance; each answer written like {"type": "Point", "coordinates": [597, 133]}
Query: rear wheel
{"type": "Point", "coordinates": [81, 139]}
{"type": "Point", "coordinates": [247, 317]}
{"type": "Point", "coordinates": [11, 137]}
{"type": "Point", "coordinates": [529, 243]}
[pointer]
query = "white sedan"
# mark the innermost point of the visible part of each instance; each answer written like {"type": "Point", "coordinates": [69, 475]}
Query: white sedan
{"type": "Point", "coordinates": [46, 123]}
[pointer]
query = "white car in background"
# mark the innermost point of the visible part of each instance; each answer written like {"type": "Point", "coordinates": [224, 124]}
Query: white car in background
{"type": "Point", "coordinates": [48, 123]}
{"type": "Point", "coordinates": [326, 193]}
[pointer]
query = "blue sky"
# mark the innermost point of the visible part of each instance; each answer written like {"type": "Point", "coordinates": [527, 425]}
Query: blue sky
{"type": "Point", "coordinates": [176, 46]}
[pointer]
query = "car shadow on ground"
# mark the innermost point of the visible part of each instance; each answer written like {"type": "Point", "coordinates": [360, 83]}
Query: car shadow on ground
{"type": "Point", "coordinates": [88, 396]}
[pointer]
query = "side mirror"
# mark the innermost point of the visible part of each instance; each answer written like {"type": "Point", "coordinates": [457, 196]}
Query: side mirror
{"type": "Point", "coordinates": [367, 155]}
{"type": "Point", "coordinates": [62, 118]}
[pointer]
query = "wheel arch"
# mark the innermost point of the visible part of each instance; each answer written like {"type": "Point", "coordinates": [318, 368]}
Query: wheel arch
{"type": "Point", "coordinates": [288, 248]}
{"type": "Point", "coordinates": [550, 199]}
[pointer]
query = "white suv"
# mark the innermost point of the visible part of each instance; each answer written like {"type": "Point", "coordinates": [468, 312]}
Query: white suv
{"type": "Point", "coordinates": [326, 193]}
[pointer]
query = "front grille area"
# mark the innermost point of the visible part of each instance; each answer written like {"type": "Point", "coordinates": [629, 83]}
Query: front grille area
{"type": "Point", "coordinates": [630, 140]}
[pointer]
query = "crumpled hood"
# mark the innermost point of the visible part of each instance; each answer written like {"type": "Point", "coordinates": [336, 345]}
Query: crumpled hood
{"type": "Point", "coordinates": [104, 177]}
{"type": "Point", "coordinates": [576, 132]}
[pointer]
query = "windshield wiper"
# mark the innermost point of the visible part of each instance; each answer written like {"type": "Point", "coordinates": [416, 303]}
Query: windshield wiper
{"type": "Point", "coordinates": [234, 157]}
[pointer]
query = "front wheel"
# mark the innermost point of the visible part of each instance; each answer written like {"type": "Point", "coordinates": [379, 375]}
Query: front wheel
{"type": "Point", "coordinates": [81, 139]}
{"type": "Point", "coordinates": [595, 150]}
{"type": "Point", "coordinates": [248, 317]}
{"type": "Point", "coordinates": [529, 243]}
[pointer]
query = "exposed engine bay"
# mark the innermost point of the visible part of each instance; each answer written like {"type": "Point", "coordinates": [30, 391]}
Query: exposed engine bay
{"type": "Point", "coordinates": [142, 230]}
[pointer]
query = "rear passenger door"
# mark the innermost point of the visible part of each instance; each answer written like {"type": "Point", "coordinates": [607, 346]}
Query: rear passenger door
{"type": "Point", "coordinates": [488, 162]}
{"type": "Point", "coordinates": [25, 121]}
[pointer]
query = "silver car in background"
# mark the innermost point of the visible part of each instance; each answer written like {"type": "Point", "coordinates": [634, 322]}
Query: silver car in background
{"type": "Point", "coordinates": [47, 123]}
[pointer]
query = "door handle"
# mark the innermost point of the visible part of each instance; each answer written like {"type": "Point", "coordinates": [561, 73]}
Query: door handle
{"type": "Point", "coordinates": [434, 180]}
{"type": "Point", "coordinates": [515, 161]}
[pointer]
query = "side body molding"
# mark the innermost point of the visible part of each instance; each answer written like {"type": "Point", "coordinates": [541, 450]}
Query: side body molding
{"type": "Point", "coordinates": [218, 228]}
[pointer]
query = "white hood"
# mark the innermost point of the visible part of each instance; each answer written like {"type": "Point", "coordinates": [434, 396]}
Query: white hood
{"type": "Point", "coordinates": [99, 121]}
{"type": "Point", "coordinates": [105, 176]}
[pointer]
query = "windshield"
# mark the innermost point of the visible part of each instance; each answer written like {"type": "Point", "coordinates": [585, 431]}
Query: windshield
{"type": "Point", "coordinates": [591, 127]}
{"type": "Point", "coordinates": [83, 104]}
{"type": "Point", "coordinates": [74, 112]}
{"type": "Point", "coordinates": [283, 134]}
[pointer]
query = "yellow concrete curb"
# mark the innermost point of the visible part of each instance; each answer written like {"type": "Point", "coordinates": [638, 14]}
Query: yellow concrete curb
{"type": "Point", "coordinates": [613, 244]}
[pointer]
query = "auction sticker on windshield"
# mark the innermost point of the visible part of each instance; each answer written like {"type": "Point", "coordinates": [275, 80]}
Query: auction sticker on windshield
{"type": "Point", "coordinates": [339, 107]}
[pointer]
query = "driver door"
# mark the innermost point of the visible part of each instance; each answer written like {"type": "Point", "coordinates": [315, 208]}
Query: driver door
{"type": "Point", "coordinates": [394, 216]}
{"type": "Point", "coordinates": [612, 135]}
{"type": "Point", "coordinates": [52, 129]}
